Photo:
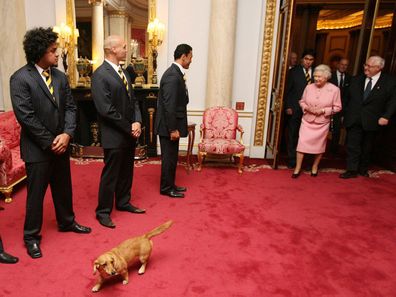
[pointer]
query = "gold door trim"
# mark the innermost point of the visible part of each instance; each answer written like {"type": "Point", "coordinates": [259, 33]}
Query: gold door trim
{"type": "Point", "coordinates": [270, 10]}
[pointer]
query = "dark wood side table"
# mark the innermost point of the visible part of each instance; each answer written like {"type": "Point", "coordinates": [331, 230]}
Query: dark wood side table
{"type": "Point", "coordinates": [190, 145]}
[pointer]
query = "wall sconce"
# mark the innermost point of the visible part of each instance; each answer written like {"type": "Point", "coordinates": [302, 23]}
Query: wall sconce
{"type": "Point", "coordinates": [155, 30]}
{"type": "Point", "coordinates": [66, 36]}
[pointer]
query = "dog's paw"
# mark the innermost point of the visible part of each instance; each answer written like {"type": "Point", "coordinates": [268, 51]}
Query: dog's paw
{"type": "Point", "coordinates": [124, 282]}
{"type": "Point", "coordinates": [96, 289]}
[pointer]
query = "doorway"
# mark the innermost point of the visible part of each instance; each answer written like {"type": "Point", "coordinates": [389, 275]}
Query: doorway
{"type": "Point", "coordinates": [352, 30]}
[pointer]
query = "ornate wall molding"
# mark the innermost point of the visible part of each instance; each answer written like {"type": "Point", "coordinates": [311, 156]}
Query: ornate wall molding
{"type": "Point", "coordinates": [270, 10]}
{"type": "Point", "coordinates": [70, 21]}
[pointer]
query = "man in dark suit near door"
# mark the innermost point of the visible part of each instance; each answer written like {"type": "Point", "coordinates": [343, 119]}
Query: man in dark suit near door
{"type": "Point", "coordinates": [120, 125]}
{"type": "Point", "coordinates": [371, 102]}
{"type": "Point", "coordinates": [341, 79]}
{"type": "Point", "coordinates": [297, 79]}
{"type": "Point", "coordinates": [46, 111]}
{"type": "Point", "coordinates": [171, 119]}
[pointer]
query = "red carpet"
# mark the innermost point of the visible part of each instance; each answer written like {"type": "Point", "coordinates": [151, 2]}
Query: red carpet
{"type": "Point", "coordinates": [258, 234]}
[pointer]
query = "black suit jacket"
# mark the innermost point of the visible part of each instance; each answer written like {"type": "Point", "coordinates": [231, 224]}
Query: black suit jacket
{"type": "Point", "coordinates": [381, 102]}
{"type": "Point", "coordinates": [295, 85]}
{"type": "Point", "coordinates": [172, 103]}
{"type": "Point", "coordinates": [41, 118]}
{"type": "Point", "coordinates": [117, 109]}
{"type": "Point", "coordinates": [343, 89]}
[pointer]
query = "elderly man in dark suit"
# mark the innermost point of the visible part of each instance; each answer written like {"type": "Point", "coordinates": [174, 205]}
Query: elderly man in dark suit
{"type": "Point", "coordinates": [171, 119]}
{"type": "Point", "coordinates": [46, 111]}
{"type": "Point", "coordinates": [298, 78]}
{"type": "Point", "coordinates": [371, 102]}
{"type": "Point", "coordinates": [120, 126]}
{"type": "Point", "coordinates": [341, 79]}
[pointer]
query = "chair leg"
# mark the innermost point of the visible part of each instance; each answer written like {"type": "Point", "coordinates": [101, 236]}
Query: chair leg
{"type": "Point", "coordinates": [240, 165]}
{"type": "Point", "coordinates": [201, 156]}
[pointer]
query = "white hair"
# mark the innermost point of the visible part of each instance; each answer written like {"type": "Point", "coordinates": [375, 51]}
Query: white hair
{"type": "Point", "coordinates": [324, 69]}
{"type": "Point", "coordinates": [378, 61]}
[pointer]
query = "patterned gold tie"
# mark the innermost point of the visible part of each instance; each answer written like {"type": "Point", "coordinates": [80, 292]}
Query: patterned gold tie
{"type": "Point", "coordinates": [48, 80]}
{"type": "Point", "coordinates": [307, 77]}
{"type": "Point", "coordinates": [121, 73]}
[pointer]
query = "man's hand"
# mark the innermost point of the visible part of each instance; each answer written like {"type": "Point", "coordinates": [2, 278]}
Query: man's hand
{"type": "Point", "coordinates": [174, 135]}
{"type": "Point", "coordinates": [383, 122]}
{"type": "Point", "coordinates": [136, 129]}
{"type": "Point", "coordinates": [60, 143]}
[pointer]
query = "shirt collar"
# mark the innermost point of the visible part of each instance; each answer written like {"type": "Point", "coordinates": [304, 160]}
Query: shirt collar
{"type": "Point", "coordinates": [375, 77]}
{"type": "Point", "coordinates": [40, 70]}
{"type": "Point", "coordinates": [182, 70]}
{"type": "Point", "coordinates": [115, 66]}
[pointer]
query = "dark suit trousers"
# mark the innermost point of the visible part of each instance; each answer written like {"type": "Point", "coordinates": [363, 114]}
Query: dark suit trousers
{"type": "Point", "coordinates": [1, 246]}
{"type": "Point", "coordinates": [293, 129]}
{"type": "Point", "coordinates": [360, 144]}
{"type": "Point", "coordinates": [116, 180]}
{"type": "Point", "coordinates": [169, 155]}
{"type": "Point", "coordinates": [335, 135]}
{"type": "Point", "coordinates": [55, 173]}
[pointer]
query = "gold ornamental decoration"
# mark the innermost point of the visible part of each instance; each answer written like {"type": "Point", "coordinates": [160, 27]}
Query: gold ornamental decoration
{"type": "Point", "coordinates": [265, 72]}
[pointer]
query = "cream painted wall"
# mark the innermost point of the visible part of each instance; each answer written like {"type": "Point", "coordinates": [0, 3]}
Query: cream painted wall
{"type": "Point", "coordinates": [40, 13]}
{"type": "Point", "coordinates": [188, 21]}
{"type": "Point", "coordinates": [12, 29]}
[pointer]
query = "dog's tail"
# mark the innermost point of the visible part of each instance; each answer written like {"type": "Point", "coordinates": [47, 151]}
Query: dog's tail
{"type": "Point", "coordinates": [159, 229]}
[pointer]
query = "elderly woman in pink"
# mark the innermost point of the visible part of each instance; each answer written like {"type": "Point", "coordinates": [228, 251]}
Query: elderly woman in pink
{"type": "Point", "coordinates": [319, 101]}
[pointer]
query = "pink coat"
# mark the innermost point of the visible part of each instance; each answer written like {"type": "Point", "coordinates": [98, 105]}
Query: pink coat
{"type": "Point", "coordinates": [328, 98]}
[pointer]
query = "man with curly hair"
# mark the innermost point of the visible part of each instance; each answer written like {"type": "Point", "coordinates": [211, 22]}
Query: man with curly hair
{"type": "Point", "coordinates": [46, 111]}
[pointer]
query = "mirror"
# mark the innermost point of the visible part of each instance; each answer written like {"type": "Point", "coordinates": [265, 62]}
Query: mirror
{"type": "Point", "coordinates": [136, 13]}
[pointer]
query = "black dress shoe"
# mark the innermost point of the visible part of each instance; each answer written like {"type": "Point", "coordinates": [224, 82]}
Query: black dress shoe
{"type": "Point", "coordinates": [107, 222]}
{"type": "Point", "coordinates": [76, 228]}
{"type": "Point", "coordinates": [7, 258]}
{"type": "Point", "coordinates": [179, 189]}
{"type": "Point", "coordinates": [314, 174]}
{"type": "Point", "coordinates": [295, 175]}
{"type": "Point", "coordinates": [1, 208]}
{"type": "Point", "coordinates": [173, 194]}
{"type": "Point", "coordinates": [133, 209]}
{"type": "Point", "coordinates": [348, 174]}
{"type": "Point", "coordinates": [364, 173]}
{"type": "Point", "coordinates": [34, 251]}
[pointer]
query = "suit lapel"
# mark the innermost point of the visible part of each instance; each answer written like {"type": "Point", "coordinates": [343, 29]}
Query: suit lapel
{"type": "Point", "coordinates": [115, 75]}
{"type": "Point", "coordinates": [56, 84]}
{"type": "Point", "coordinates": [37, 76]}
{"type": "Point", "coordinates": [374, 88]}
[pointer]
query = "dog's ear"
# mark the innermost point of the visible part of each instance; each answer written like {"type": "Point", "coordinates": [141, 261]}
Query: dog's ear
{"type": "Point", "coordinates": [95, 267]}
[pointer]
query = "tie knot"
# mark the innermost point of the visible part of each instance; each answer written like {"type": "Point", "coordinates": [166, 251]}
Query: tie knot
{"type": "Point", "coordinates": [119, 69]}
{"type": "Point", "coordinates": [46, 73]}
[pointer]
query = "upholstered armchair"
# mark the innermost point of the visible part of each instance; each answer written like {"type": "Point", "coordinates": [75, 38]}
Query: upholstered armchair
{"type": "Point", "coordinates": [218, 135]}
{"type": "Point", "coordinates": [12, 168]}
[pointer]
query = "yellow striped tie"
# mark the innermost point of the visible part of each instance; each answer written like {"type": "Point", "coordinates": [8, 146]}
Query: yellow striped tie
{"type": "Point", "coordinates": [48, 80]}
{"type": "Point", "coordinates": [307, 77]}
{"type": "Point", "coordinates": [123, 77]}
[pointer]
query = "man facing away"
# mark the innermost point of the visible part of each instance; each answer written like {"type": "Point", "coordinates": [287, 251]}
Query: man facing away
{"type": "Point", "coordinates": [298, 78]}
{"type": "Point", "coordinates": [171, 119]}
{"type": "Point", "coordinates": [371, 102]}
{"type": "Point", "coordinates": [341, 79]}
{"type": "Point", "coordinates": [46, 111]}
{"type": "Point", "coordinates": [120, 126]}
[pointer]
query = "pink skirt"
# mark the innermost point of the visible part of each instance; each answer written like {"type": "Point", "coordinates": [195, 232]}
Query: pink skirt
{"type": "Point", "coordinates": [312, 137]}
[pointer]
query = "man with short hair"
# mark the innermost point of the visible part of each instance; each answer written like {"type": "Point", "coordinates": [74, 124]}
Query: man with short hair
{"type": "Point", "coordinates": [171, 119]}
{"type": "Point", "coordinates": [371, 102]}
{"type": "Point", "coordinates": [298, 78]}
{"type": "Point", "coordinates": [341, 79]}
{"type": "Point", "coordinates": [46, 111]}
{"type": "Point", "coordinates": [120, 126]}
